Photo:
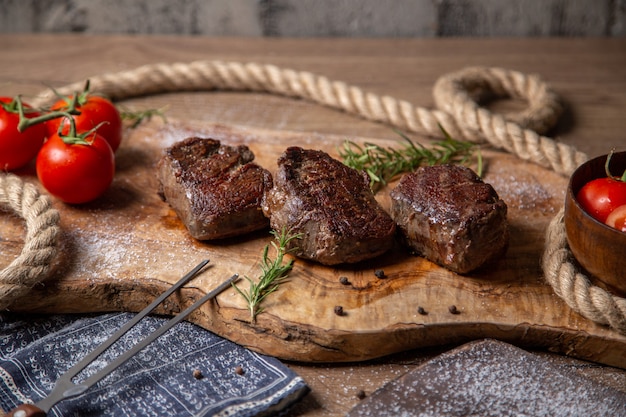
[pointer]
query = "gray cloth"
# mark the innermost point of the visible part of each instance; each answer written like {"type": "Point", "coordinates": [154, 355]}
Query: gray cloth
{"type": "Point", "coordinates": [158, 381]}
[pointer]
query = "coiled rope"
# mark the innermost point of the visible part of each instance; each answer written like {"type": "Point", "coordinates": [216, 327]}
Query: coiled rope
{"type": "Point", "coordinates": [459, 112]}
{"type": "Point", "coordinates": [40, 247]}
{"type": "Point", "coordinates": [573, 286]}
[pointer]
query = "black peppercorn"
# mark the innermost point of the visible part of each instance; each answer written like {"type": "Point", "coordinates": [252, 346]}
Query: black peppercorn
{"type": "Point", "coordinates": [339, 310]}
{"type": "Point", "coordinates": [380, 274]}
{"type": "Point", "coordinates": [421, 311]}
{"type": "Point", "coordinates": [453, 310]}
{"type": "Point", "coordinates": [344, 280]}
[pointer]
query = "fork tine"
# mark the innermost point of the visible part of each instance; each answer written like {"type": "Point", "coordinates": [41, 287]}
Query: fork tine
{"type": "Point", "coordinates": [65, 388]}
{"type": "Point", "coordinates": [74, 370]}
{"type": "Point", "coordinates": [157, 333]}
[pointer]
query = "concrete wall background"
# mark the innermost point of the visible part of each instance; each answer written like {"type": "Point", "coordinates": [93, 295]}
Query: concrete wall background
{"type": "Point", "coordinates": [323, 18]}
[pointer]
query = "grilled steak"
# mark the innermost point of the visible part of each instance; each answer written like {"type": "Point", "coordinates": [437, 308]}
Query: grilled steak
{"type": "Point", "coordinates": [331, 205]}
{"type": "Point", "coordinates": [214, 189]}
{"type": "Point", "coordinates": [450, 216]}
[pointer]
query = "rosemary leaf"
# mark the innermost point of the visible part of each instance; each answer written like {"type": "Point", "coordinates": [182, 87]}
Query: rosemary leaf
{"type": "Point", "coordinates": [274, 273]}
{"type": "Point", "coordinates": [137, 117]}
{"type": "Point", "coordinates": [383, 164]}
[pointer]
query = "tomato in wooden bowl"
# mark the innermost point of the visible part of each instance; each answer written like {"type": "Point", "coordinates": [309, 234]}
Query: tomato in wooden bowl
{"type": "Point", "coordinates": [599, 248]}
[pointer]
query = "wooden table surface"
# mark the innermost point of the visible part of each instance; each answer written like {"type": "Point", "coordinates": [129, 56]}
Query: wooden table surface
{"type": "Point", "coordinates": [588, 74]}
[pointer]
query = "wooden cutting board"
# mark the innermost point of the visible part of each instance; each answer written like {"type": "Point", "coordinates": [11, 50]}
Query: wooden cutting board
{"type": "Point", "coordinates": [119, 252]}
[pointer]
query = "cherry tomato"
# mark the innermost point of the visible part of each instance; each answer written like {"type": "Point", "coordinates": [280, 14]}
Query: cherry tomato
{"type": "Point", "coordinates": [76, 173]}
{"type": "Point", "coordinates": [17, 148]}
{"type": "Point", "coordinates": [617, 218]}
{"type": "Point", "coordinates": [601, 196]}
{"type": "Point", "coordinates": [93, 111]}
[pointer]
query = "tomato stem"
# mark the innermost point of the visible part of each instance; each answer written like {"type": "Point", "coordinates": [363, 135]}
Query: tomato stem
{"type": "Point", "coordinates": [9, 107]}
{"type": "Point", "coordinates": [608, 170]}
{"type": "Point", "coordinates": [73, 138]}
{"type": "Point", "coordinates": [13, 107]}
{"type": "Point", "coordinates": [26, 122]}
{"type": "Point", "coordinates": [72, 100]}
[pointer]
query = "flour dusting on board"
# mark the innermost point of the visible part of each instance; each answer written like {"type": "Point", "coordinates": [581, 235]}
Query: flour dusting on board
{"type": "Point", "coordinates": [171, 133]}
{"type": "Point", "coordinates": [98, 255]}
{"type": "Point", "coordinates": [523, 194]}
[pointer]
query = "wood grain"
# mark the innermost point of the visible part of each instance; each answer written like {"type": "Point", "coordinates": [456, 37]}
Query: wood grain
{"type": "Point", "coordinates": [119, 251]}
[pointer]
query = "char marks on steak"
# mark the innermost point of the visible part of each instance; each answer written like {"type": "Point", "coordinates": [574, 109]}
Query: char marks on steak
{"type": "Point", "coordinates": [216, 190]}
{"type": "Point", "coordinates": [331, 205]}
{"type": "Point", "coordinates": [447, 214]}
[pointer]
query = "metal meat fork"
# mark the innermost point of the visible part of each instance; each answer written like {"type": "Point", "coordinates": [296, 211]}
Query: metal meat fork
{"type": "Point", "coordinates": [65, 388]}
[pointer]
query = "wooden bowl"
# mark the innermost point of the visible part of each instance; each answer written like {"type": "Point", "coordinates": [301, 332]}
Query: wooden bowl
{"type": "Point", "coordinates": [600, 249]}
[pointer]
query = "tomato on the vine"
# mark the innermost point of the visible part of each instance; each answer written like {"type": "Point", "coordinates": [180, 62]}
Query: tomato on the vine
{"type": "Point", "coordinates": [94, 110]}
{"type": "Point", "coordinates": [76, 172]}
{"type": "Point", "coordinates": [17, 148]}
{"type": "Point", "coordinates": [617, 218]}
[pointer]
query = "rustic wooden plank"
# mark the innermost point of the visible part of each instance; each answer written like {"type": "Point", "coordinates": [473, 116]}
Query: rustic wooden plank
{"type": "Point", "coordinates": [121, 249]}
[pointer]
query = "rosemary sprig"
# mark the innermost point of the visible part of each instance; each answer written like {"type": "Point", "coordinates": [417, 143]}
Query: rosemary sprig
{"type": "Point", "coordinates": [274, 273]}
{"type": "Point", "coordinates": [137, 117]}
{"type": "Point", "coordinates": [383, 164]}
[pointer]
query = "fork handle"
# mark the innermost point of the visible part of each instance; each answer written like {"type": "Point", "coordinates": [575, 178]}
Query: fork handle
{"type": "Point", "coordinates": [26, 410]}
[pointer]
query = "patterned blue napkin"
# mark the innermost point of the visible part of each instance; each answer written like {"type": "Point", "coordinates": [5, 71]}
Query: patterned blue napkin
{"type": "Point", "coordinates": [188, 371]}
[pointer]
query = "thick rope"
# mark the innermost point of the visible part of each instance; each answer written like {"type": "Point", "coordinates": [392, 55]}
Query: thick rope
{"type": "Point", "coordinates": [457, 96]}
{"type": "Point", "coordinates": [40, 247]}
{"type": "Point", "coordinates": [573, 286]}
{"type": "Point", "coordinates": [459, 114]}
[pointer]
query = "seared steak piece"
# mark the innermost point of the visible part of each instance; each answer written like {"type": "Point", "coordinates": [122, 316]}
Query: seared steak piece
{"type": "Point", "coordinates": [214, 189]}
{"type": "Point", "coordinates": [331, 205]}
{"type": "Point", "coordinates": [450, 216]}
